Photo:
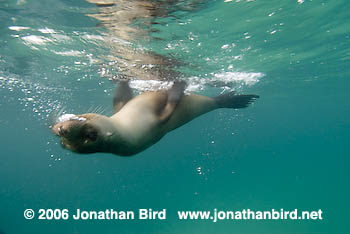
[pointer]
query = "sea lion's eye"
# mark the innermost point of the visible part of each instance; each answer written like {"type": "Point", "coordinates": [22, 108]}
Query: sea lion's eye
{"type": "Point", "coordinates": [91, 134]}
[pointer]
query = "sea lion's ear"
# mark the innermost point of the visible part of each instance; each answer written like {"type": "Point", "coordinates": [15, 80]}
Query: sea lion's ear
{"type": "Point", "coordinates": [122, 95]}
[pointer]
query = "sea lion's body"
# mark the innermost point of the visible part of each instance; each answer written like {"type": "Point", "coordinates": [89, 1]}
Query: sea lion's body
{"type": "Point", "coordinates": [137, 124]}
{"type": "Point", "coordinates": [140, 116]}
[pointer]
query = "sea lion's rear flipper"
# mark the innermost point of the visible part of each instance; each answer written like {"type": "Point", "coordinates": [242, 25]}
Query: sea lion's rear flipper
{"type": "Point", "coordinates": [175, 93]}
{"type": "Point", "coordinates": [231, 100]}
{"type": "Point", "coordinates": [122, 95]}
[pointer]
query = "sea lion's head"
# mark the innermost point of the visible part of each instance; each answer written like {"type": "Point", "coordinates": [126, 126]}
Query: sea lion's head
{"type": "Point", "coordinates": [82, 133]}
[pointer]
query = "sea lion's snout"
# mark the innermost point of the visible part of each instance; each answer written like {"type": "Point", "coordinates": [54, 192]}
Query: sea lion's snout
{"type": "Point", "coordinates": [55, 129]}
{"type": "Point", "coordinates": [78, 134]}
{"type": "Point", "coordinates": [65, 122]}
{"type": "Point", "coordinates": [62, 131]}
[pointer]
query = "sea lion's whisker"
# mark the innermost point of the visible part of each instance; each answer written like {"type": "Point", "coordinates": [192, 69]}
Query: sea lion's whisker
{"type": "Point", "coordinates": [60, 112]}
{"type": "Point", "coordinates": [54, 115]}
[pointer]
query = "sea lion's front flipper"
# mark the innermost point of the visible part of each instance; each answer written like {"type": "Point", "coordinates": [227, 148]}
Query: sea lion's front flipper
{"type": "Point", "coordinates": [231, 100]}
{"type": "Point", "coordinates": [122, 95]}
{"type": "Point", "coordinates": [175, 93]}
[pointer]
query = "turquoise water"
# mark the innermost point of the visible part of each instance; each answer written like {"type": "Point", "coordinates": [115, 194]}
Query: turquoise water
{"type": "Point", "coordinates": [289, 150]}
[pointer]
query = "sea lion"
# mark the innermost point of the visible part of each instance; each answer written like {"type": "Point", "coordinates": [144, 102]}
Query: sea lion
{"type": "Point", "coordinates": [140, 121]}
